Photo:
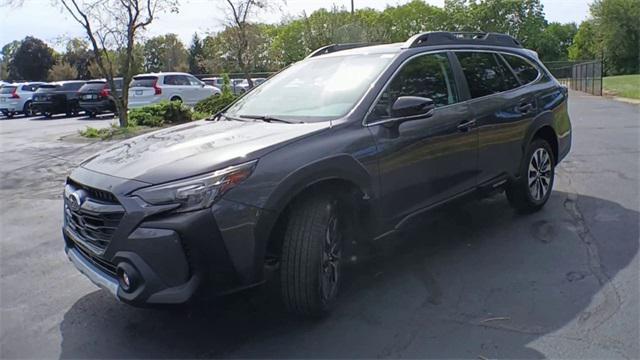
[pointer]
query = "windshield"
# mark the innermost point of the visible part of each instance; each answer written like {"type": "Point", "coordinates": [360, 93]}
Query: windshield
{"type": "Point", "coordinates": [318, 89]}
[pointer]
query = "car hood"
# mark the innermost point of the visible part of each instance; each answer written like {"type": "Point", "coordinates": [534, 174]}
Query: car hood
{"type": "Point", "coordinates": [194, 148]}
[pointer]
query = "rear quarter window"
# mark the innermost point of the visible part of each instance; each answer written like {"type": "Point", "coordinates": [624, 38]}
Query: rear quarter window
{"type": "Point", "coordinates": [486, 73]}
{"type": "Point", "coordinates": [524, 70]}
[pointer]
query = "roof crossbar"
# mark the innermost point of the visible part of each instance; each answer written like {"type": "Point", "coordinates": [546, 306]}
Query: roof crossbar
{"type": "Point", "coordinates": [336, 47]}
{"type": "Point", "coordinates": [461, 38]}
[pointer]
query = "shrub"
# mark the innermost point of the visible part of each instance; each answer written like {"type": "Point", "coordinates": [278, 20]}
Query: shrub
{"type": "Point", "coordinates": [215, 103]}
{"type": "Point", "coordinates": [158, 114]}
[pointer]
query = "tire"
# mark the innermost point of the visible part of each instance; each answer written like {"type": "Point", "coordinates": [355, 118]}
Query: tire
{"type": "Point", "coordinates": [47, 114]}
{"type": "Point", "coordinates": [175, 98]}
{"type": "Point", "coordinates": [10, 114]}
{"type": "Point", "coordinates": [311, 251]}
{"type": "Point", "coordinates": [531, 191]}
{"type": "Point", "coordinates": [27, 110]}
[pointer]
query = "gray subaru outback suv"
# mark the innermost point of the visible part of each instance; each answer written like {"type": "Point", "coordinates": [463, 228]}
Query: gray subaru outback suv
{"type": "Point", "coordinates": [339, 149]}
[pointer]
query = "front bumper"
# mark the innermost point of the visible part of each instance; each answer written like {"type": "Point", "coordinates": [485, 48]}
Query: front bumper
{"type": "Point", "coordinates": [172, 258]}
{"type": "Point", "coordinates": [94, 274]}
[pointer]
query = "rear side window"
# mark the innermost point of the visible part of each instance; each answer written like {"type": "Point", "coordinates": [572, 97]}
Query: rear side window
{"type": "Point", "coordinates": [176, 80]}
{"type": "Point", "coordinates": [524, 70]}
{"type": "Point", "coordinates": [486, 73]}
{"type": "Point", "coordinates": [7, 89]}
{"type": "Point", "coordinates": [428, 76]}
{"type": "Point", "coordinates": [144, 81]}
{"type": "Point", "coordinates": [33, 87]}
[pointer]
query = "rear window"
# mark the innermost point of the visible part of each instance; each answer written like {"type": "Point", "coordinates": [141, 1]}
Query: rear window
{"type": "Point", "coordinates": [46, 88]}
{"type": "Point", "coordinates": [92, 86]}
{"type": "Point", "coordinates": [71, 86]}
{"type": "Point", "coordinates": [7, 89]}
{"type": "Point", "coordinates": [144, 81]}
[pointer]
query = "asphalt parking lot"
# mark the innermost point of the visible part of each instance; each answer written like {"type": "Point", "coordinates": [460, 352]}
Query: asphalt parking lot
{"type": "Point", "coordinates": [480, 282]}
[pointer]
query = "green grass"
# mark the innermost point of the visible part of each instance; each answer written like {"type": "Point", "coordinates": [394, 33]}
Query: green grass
{"type": "Point", "coordinates": [625, 86]}
{"type": "Point", "coordinates": [112, 132]}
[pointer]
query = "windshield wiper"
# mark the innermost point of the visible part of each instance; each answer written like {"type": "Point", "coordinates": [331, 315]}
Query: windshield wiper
{"type": "Point", "coordinates": [267, 118]}
{"type": "Point", "coordinates": [224, 115]}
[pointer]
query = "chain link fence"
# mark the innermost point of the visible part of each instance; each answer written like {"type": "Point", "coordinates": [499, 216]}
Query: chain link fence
{"type": "Point", "coordinates": [585, 76]}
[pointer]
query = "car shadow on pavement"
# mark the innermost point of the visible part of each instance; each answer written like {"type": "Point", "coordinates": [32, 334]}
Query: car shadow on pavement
{"type": "Point", "coordinates": [470, 281]}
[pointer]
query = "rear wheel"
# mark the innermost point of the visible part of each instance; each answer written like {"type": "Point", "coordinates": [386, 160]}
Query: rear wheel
{"type": "Point", "coordinates": [28, 109]}
{"type": "Point", "coordinates": [176, 99]}
{"type": "Point", "coordinates": [48, 114]}
{"type": "Point", "coordinates": [9, 114]}
{"type": "Point", "coordinates": [532, 190]}
{"type": "Point", "coordinates": [311, 256]}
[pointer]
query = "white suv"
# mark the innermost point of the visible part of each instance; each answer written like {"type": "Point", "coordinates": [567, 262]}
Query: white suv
{"type": "Point", "coordinates": [147, 89]}
{"type": "Point", "coordinates": [17, 98]}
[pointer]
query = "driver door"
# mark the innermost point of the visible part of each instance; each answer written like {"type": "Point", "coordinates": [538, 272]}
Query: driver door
{"type": "Point", "coordinates": [424, 159]}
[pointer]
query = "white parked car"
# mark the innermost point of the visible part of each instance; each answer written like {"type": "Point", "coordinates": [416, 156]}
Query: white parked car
{"type": "Point", "coordinates": [17, 98]}
{"type": "Point", "coordinates": [147, 89]}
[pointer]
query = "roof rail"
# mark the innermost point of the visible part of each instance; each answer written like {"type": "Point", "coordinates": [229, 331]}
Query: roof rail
{"type": "Point", "coordinates": [461, 38]}
{"type": "Point", "coordinates": [336, 47]}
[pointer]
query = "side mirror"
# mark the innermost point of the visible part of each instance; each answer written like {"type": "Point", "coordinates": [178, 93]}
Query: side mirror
{"type": "Point", "coordinates": [407, 106]}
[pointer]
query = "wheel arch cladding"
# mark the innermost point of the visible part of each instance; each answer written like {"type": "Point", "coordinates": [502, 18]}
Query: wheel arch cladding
{"type": "Point", "coordinates": [547, 133]}
{"type": "Point", "coordinates": [337, 174]}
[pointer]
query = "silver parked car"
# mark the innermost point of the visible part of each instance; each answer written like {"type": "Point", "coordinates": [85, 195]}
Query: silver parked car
{"type": "Point", "coordinates": [17, 98]}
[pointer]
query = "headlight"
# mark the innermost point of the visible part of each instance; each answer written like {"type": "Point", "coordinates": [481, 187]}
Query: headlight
{"type": "Point", "coordinates": [198, 192]}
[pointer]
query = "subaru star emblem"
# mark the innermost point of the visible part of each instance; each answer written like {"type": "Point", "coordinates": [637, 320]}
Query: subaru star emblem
{"type": "Point", "coordinates": [76, 199]}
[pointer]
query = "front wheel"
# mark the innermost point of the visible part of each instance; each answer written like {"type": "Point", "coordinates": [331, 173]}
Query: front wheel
{"type": "Point", "coordinates": [311, 256]}
{"type": "Point", "coordinates": [532, 190]}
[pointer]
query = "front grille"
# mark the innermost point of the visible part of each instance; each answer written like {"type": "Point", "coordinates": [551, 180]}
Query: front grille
{"type": "Point", "coordinates": [102, 264]}
{"type": "Point", "coordinates": [94, 223]}
{"type": "Point", "coordinates": [96, 194]}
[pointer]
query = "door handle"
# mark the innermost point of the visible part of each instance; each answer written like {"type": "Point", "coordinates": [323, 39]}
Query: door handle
{"type": "Point", "coordinates": [525, 108]}
{"type": "Point", "coordinates": [466, 125]}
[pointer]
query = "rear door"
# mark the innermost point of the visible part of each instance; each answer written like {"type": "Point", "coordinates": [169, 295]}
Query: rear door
{"type": "Point", "coordinates": [503, 109]}
{"type": "Point", "coordinates": [431, 158]}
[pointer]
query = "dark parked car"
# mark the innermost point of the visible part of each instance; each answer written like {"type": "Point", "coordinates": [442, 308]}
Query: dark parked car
{"type": "Point", "coordinates": [58, 98]}
{"type": "Point", "coordinates": [96, 96]}
{"type": "Point", "coordinates": [342, 148]}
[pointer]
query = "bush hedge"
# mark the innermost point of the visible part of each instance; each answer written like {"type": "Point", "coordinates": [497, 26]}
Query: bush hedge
{"type": "Point", "coordinates": [215, 103]}
{"type": "Point", "coordinates": [156, 115]}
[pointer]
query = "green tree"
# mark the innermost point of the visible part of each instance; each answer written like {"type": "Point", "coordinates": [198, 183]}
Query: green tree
{"type": "Point", "coordinates": [196, 55]}
{"type": "Point", "coordinates": [554, 42]}
{"type": "Point", "coordinates": [79, 56]}
{"type": "Point", "coordinates": [32, 60]}
{"type": "Point", "coordinates": [165, 53]}
{"type": "Point", "coordinates": [62, 71]}
{"type": "Point", "coordinates": [585, 44]}
{"type": "Point", "coordinates": [617, 24]}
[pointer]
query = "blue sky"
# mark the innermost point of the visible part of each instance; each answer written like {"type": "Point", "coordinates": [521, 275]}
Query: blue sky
{"type": "Point", "coordinates": [42, 19]}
